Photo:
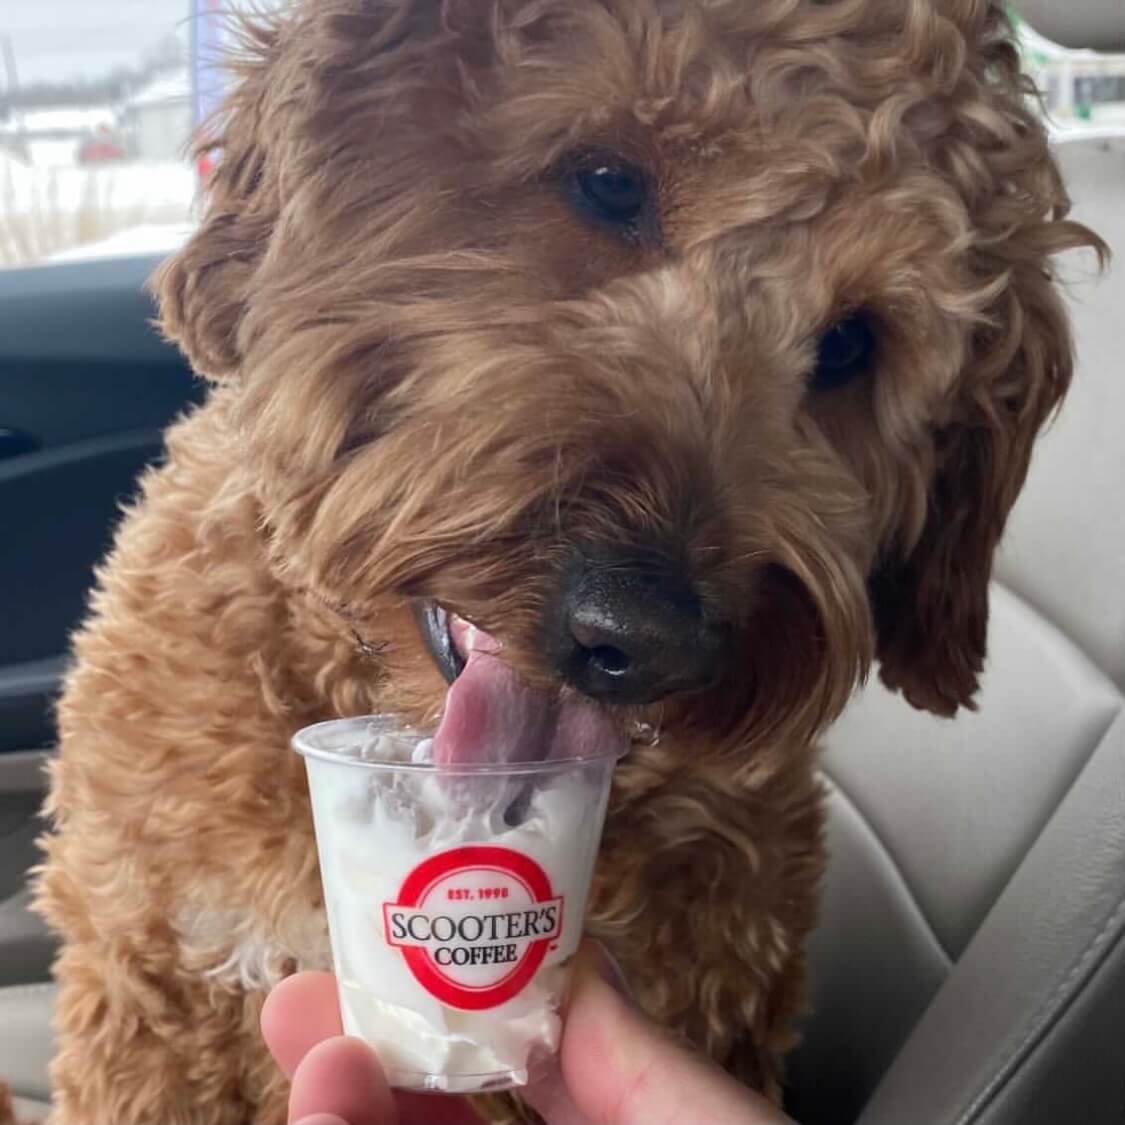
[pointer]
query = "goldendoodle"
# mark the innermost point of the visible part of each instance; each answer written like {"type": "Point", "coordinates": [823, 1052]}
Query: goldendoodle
{"type": "Point", "coordinates": [693, 350]}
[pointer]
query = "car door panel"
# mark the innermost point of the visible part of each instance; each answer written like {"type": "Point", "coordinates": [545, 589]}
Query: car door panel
{"type": "Point", "coordinates": [87, 386]}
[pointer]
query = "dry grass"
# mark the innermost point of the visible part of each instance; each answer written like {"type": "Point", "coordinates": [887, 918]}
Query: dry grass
{"type": "Point", "coordinates": [62, 208]}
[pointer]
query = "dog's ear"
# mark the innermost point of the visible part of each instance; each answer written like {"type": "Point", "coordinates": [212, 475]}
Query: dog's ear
{"type": "Point", "coordinates": [930, 600]}
{"type": "Point", "coordinates": [202, 290]}
{"type": "Point", "coordinates": [931, 603]}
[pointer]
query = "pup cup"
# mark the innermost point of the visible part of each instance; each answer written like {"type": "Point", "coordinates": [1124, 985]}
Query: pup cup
{"type": "Point", "coordinates": [455, 893]}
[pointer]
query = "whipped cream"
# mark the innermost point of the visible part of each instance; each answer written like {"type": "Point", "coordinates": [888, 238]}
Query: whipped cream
{"type": "Point", "coordinates": [455, 901]}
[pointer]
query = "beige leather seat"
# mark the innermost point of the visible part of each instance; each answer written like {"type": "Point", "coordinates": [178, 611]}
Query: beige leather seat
{"type": "Point", "coordinates": [970, 964]}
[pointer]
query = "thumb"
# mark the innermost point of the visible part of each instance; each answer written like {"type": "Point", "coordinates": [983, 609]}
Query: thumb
{"type": "Point", "coordinates": [619, 1068]}
{"type": "Point", "coordinates": [340, 1082]}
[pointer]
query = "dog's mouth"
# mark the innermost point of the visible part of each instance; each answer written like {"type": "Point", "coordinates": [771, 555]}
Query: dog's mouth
{"type": "Point", "coordinates": [434, 623]}
{"type": "Point", "coordinates": [492, 713]}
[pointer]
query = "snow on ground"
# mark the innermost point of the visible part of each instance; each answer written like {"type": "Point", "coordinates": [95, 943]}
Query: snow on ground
{"type": "Point", "coordinates": [149, 239]}
{"type": "Point", "coordinates": [52, 154]}
{"type": "Point", "coordinates": [29, 189]}
{"type": "Point", "coordinates": [48, 211]}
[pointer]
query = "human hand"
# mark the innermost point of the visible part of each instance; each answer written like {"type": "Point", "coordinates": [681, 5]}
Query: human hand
{"type": "Point", "coordinates": [615, 1067]}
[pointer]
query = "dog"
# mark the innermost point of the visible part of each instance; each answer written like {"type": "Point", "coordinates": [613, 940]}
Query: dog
{"type": "Point", "coordinates": [693, 349]}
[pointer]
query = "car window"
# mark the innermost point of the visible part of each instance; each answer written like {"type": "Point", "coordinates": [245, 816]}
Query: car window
{"type": "Point", "coordinates": [99, 101]}
{"type": "Point", "coordinates": [1083, 92]}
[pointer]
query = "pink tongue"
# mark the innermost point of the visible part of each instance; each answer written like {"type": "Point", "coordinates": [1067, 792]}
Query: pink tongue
{"type": "Point", "coordinates": [492, 715]}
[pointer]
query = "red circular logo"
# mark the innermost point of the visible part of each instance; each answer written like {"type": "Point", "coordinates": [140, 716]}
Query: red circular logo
{"type": "Point", "coordinates": [474, 924]}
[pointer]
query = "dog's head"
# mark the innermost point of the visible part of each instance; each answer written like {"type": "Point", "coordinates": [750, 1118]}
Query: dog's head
{"type": "Point", "coordinates": [693, 350]}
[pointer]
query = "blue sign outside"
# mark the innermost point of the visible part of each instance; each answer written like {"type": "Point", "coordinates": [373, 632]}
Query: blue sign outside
{"type": "Point", "coordinates": [207, 75]}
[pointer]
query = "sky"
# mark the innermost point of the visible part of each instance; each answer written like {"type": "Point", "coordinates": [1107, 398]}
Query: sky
{"type": "Point", "coordinates": [57, 40]}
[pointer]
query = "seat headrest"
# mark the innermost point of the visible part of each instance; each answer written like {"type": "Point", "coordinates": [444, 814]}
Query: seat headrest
{"type": "Point", "coordinates": [1099, 24]}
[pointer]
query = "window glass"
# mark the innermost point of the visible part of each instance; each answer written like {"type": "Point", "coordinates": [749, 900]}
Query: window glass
{"type": "Point", "coordinates": [1083, 92]}
{"type": "Point", "coordinates": [98, 102]}
{"type": "Point", "coordinates": [99, 99]}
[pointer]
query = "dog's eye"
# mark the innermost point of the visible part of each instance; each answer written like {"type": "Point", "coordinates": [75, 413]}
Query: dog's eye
{"type": "Point", "coordinates": [612, 191]}
{"type": "Point", "coordinates": [843, 351]}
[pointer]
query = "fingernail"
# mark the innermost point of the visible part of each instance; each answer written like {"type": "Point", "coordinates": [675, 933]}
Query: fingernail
{"type": "Point", "coordinates": [321, 1119]}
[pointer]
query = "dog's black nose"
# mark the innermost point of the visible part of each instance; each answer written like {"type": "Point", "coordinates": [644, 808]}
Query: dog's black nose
{"type": "Point", "coordinates": [627, 634]}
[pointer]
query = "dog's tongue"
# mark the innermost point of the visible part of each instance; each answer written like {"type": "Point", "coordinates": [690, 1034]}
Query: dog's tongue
{"type": "Point", "coordinates": [492, 714]}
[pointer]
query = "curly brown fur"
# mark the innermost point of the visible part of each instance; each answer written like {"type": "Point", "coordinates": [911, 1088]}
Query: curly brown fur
{"type": "Point", "coordinates": [434, 377]}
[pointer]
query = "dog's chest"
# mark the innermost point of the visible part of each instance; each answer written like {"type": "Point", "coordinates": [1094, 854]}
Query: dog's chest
{"type": "Point", "coordinates": [236, 949]}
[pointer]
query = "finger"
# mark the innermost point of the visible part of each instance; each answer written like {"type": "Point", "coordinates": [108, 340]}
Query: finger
{"type": "Point", "coordinates": [300, 1012]}
{"type": "Point", "coordinates": [619, 1068]}
{"type": "Point", "coordinates": [303, 1010]}
{"type": "Point", "coordinates": [342, 1077]}
{"type": "Point", "coordinates": [550, 1098]}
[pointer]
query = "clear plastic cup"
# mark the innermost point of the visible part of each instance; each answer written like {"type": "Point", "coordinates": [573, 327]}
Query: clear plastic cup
{"type": "Point", "coordinates": [455, 898]}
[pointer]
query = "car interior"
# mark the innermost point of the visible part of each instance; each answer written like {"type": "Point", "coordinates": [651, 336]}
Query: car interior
{"type": "Point", "coordinates": [969, 964]}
